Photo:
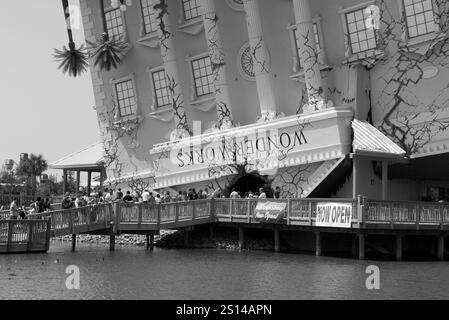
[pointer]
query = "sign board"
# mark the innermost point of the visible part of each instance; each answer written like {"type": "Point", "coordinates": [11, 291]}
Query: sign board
{"type": "Point", "coordinates": [270, 212]}
{"type": "Point", "coordinates": [336, 215]}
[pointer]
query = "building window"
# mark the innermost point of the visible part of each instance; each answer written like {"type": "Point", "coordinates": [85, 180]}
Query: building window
{"type": "Point", "coordinates": [114, 22]}
{"type": "Point", "coordinates": [160, 87]}
{"type": "Point", "coordinates": [419, 17]}
{"type": "Point", "coordinates": [203, 76]}
{"type": "Point", "coordinates": [191, 9]}
{"type": "Point", "coordinates": [126, 97]}
{"type": "Point", "coordinates": [149, 17]}
{"type": "Point", "coordinates": [361, 38]}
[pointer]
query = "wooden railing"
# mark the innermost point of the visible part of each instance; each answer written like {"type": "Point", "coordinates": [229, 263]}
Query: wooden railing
{"type": "Point", "coordinates": [299, 211]}
{"type": "Point", "coordinates": [403, 212]}
{"type": "Point", "coordinates": [24, 235]}
{"type": "Point", "coordinates": [152, 216]}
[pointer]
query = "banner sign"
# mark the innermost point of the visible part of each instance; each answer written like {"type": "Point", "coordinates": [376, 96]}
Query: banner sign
{"type": "Point", "coordinates": [270, 212]}
{"type": "Point", "coordinates": [336, 215]}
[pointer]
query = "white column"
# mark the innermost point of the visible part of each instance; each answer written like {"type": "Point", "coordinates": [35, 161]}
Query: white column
{"type": "Point", "coordinates": [167, 43]}
{"type": "Point", "coordinates": [260, 59]}
{"type": "Point", "coordinates": [308, 55]}
{"type": "Point", "coordinates": [217, 57]}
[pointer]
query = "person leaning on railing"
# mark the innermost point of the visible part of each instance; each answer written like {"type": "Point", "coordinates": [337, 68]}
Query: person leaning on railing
{"type": "Point", "coordinates": [14, 209]}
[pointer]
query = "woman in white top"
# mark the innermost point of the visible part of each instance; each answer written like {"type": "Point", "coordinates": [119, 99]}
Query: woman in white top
{"type": "Point", "coordinates": [262, 195]}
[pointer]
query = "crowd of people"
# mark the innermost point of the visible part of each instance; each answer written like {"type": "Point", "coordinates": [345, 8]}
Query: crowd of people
{"type": "Point", "coordinates": [42, 205]}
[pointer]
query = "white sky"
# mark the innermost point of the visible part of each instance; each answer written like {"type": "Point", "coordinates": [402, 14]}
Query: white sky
{"type": "Point", "coordinates": [41, 110]}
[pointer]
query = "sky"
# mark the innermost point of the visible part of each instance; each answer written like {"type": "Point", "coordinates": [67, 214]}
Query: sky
{"type": "Point", "coordinates": [43, 111]}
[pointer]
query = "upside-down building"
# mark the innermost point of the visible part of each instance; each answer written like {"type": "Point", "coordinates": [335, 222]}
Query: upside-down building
{"type": "Point", "coordinates": [323, 98]}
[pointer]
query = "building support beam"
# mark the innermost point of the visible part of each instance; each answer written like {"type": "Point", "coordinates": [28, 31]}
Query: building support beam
{"type": "Point", "coordinates": [78, 181]}
{"type": "Point", "coordinates": [361, 246]}
{"type": "Point", "coordinates": [89, 183]}
{"type": "Point", "coordinates": [318, 244]}
{"type": "Point", "coordinates": [102, 178]}
{"type": "Point", "coordinates": [64, 181]}
{"type": "Point", "coordinates": [260, 60]}
{"type": "Point", "coordinates": [385, 180]}
{"type": "Point", "coordinates": [441, 247]}
{"type": "Point", "coordinates": [355, 176]}
{"type": "Point", "coordinates": [398, 247]}
{"type": "Point", "coordinates": [308, 55]}
{"type": "Point", "coordinates": [219, 66]}
{"type": "Point", "coordinates": [167, 44]}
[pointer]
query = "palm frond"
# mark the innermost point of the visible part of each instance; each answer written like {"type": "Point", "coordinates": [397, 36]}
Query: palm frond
{"type": "Point", "coordinates": [74, 61]}
{"type": "Point", "coordinates": [107, 52]}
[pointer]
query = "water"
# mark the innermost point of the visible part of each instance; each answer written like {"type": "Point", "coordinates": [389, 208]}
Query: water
{"type": "Point", "coordinates": [133, 273]}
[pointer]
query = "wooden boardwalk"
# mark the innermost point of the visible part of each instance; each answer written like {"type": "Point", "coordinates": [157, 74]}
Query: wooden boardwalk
{"type": "Point", "coordinates": [368, 216]}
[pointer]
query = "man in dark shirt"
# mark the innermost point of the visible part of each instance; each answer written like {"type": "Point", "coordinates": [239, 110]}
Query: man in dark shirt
{"type": "Point", "coordinates": [128, 197]}
{"type": "Point", "coordinates": [119, 194]}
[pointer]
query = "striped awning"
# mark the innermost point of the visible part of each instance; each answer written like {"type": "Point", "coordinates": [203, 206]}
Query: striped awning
{"type": "Point", "coordinates": [367, 139]}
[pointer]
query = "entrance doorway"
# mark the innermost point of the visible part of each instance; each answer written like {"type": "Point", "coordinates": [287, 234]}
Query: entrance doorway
{"type": "Point", "coordinates": [251, 182]}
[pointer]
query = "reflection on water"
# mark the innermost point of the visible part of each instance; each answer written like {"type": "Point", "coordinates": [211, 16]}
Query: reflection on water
{"type": "Point", "coordinates": [211, 274]}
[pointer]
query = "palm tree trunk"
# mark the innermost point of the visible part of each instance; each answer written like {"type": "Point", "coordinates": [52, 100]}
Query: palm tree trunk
{"type": "Point", "coordinates": [65, 5]}
{"type": "Point", "coordinates": [103, 20]}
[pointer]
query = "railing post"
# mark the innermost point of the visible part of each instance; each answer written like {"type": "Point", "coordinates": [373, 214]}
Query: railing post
{"type": "Point", "coordinates": [176, 213]}
{"type": "Point", "coordinates": [310, 213]}
{"type": "Point", "coordinates": [30, 235]}
{"type": "Point", "coordinates": [87, 210]}
{"type": "Point", "coordinates": [289, 206]}
{"type": "Point", "coordinates": [118, 216]}
{"type": "Point", "coordinates": [140, 214]}
{"type": "Point", "coordinates": [159, 216]}
{"type": "Point", "coordinates": [441, 217]}
{"type": "Point", "coordinates": [233, 209]}
{"type": "Point", "coordinates": [48, 234]}
{"type": "Point", "coordinates": [9, 240]}
{"type": "Point", "coordinates": [418, 216]}
{"type": "Point", "coordinates": [212, 209]}
{"type": "Point", "coordinates": [193, 210]}
{"type": "Point", "coordinates": [70, 220]}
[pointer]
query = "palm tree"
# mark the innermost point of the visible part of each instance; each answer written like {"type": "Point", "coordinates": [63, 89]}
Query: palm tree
{"type": "Point", "coordinates": [74, 61]}
{"type": "Point", "coordinates": [30, 168]}
{"type": "Point", "coordinates": [106, 51]}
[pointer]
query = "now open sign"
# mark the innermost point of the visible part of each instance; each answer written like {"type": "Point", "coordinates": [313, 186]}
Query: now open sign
{"type": "Point", "coordinates": [270, 212]}
{"type": "Point", "coordinates": [337, 215]}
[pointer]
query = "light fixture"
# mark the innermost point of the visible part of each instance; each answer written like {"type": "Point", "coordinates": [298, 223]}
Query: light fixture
{"type": "Point", "coordinates": [122, 4]}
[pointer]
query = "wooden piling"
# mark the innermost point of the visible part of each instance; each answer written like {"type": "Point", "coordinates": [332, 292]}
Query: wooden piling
{"type": "Point", "coordinates": [361, 246]}
{"type": "Point", "coordinates": [398, 247]}
{"type": "Point", "coordinates": [241, 238]}
{"type": "Point", "coordinates": [277, 240]}
{"type": "Point", "coordinates": [318, 244]}
{"type": "Point", "coordinates": [73, 242]}
{"type": "Point", "coordinates": [441, 247]}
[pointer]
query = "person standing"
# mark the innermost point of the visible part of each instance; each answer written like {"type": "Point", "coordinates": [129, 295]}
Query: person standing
{"type": "Point", "coordinates": [277, 193]}
{"type": "Point", "coordinates": [108, 195]}
{"type": "Point", "coordinates": [14, 209]}
{"type": "Point", "coordinates": [119, 194]}
{"type": "Point", "coordinates": [128, 198]}
{"type": "Point", "coordinates": [158, 199]}
{"type": "Point", "coordinates": [67, 202]}
{"type": "Point", "coordinates": [262, 194]}
{"type": "Point", "coordinates": [234, 194]}
{"type": "Point", "coordinates": [145, 196]}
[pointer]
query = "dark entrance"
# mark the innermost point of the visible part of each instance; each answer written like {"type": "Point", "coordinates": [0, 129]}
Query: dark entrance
{"type": "Point", "coordinates": [250, 182]}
